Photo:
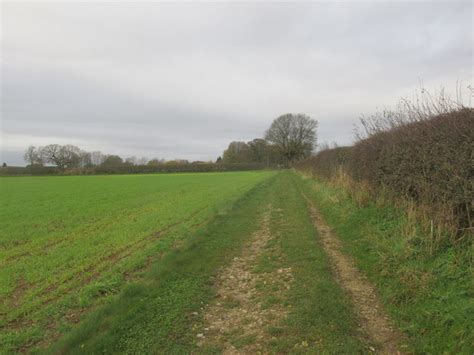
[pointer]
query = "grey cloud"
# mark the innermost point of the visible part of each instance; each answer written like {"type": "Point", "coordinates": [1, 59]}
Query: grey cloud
{"type": "Point", "coordinates": [184, 79]}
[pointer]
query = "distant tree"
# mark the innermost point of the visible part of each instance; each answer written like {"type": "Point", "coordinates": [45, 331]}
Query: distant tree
{"type": "Point", "coordinates": [155, 162]}
{"type": "Point", "coordinates": [218, 160]}
{"type": "Point", "coordinates": [258, 151]}
{"type": "Point", "coordinates": [131, 161]}
{"type": "Point", "coordinates": [177, 162]}
{"type": "Point", "coordinates": [63, 156]}
{"type": "Point", "coordinates": [50, 153]}
{"type": "Point", "coordinates": [237, 152]}
{"type": "Point", "coordinates": [294, 135]}
{"type": "Point", "coordinates": [112, 161]}
{"type": "Point", "coordinates": [275, 156]}
{"type": "Point", "coordinates": [142, 161]}
{"type": "Point", "coordinates": [32, 156]}
{"type": "Point", "coordinates": [4, 165]}
{"type": "Point", "coordinates": [97, 158]}
{"type": "Point", "coordinates": [85, 159]}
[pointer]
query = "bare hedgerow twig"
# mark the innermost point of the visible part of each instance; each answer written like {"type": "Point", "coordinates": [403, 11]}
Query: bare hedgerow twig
{"type": "Point", "coordinates": [422, 107]}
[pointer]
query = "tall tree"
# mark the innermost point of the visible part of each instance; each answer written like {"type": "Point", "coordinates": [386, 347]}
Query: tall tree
{"type": "Point", "coordinates": [97, 158]}
{"type": "Point", "coordinates": [131, 161]}
{"type": "Point", "coordinates": [237, 152]}
{"type": "Point", "coordinates": [258, 151]}
{"type": "Point", "coordinates": [63, 156]}
{"type": "Point", "coordinates": [85, 159]}
{"type": "Point", "coordinates": [294, 135]}
{"type": "Point", "coordinates": [112, 161]}
{"type": "Point", "coordinates": [142, 161]}
{"type": "Point", "coordinates": [156, 162]}
{"type": "Point", "coordinates": [32, 156]}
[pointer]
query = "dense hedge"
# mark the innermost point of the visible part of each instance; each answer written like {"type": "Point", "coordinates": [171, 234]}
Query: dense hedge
{"type": "Point", "coordinates": [326, 163]}
{"type": "Point", "coordinates": [429, 160]}
{"type": "Point", "coordinates": [131, 169]}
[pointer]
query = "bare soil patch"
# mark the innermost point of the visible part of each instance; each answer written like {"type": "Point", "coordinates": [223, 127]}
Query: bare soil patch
{"type": "Point", "coordinates": [374, 321]}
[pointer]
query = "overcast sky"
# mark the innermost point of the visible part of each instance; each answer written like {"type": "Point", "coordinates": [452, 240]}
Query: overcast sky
{"type": "Point", "coordinates": [182, 80]}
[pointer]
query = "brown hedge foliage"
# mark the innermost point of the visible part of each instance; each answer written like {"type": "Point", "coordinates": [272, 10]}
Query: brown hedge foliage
{"type": "Point", "coordinates": [429, 160]}
{"type": "Point", "coordinates": [326, 163]}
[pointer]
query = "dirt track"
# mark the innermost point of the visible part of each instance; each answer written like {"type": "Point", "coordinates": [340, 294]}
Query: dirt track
{"type": "Point", "coordinates": [373, 319]}
{"type": "Point", "coordinates": [237, 314]}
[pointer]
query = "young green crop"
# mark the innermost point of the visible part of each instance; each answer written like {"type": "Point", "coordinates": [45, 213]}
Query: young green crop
{"type": "Point", "coordinates": [66, 243]}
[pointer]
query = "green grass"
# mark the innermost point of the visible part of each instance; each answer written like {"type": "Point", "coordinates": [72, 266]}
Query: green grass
{"type": "Point", "coordinates": [68, 244]}
{"type": "Point", "coordinates": [429, 297]}
{"type": "Point", "coordinates": [321, 318]}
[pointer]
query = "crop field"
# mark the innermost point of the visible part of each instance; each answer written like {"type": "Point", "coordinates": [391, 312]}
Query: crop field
{"type": "Point", "coordinates": [67, 243]}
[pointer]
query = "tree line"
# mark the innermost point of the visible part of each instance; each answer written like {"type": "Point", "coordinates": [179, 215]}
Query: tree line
{"type": "Point", "coordinates": [69, 156]}
{"type": "Point", "coordinates": [291, 137]}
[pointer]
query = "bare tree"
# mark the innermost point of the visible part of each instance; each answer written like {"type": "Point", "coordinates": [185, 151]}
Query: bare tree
{"type": "Point", "coordinates": [142, 161]}
{"type": "Point", "coordinates": [32, 156]}
{"type": "Point", "coordinates": [294, 135]}
{"type": "Point", "coordinates": [63, 156]}
{"type": "Point", "coordinates": [85, 159]}
{"type": "Point", "coordinates": [131, 160]}
{"type": "Point", "coordinates": [97, 158]}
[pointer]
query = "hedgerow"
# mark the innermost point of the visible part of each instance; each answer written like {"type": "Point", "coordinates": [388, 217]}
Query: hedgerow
{"type": "Point", "coordinates": [132, 169]}
{"type": "Point", "coordinates": [422, 153]}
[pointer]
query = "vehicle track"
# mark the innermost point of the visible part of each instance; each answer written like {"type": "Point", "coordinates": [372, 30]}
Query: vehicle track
{"type": "Point", "coordinates": [374, 321]}
{"type": "Point", "coordinates": [237, 315]}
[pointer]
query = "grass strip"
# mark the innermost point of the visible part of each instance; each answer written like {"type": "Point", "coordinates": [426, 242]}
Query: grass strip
{"type": "Point", "coordinates": [320, 318]}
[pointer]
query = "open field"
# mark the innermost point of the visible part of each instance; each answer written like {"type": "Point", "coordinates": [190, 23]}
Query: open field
{"type": "Point", "coordinates": [66, 243]}
{"type": "Point", "coordinates": [248, 262]}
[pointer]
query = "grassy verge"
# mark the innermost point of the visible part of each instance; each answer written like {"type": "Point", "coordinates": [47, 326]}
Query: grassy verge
{"type": "Point", "coordinates": [320, 317]}
{"type": "Point", "coordinates": [429, 297]}
{"type": "Point", "coordinates": [156, 314]}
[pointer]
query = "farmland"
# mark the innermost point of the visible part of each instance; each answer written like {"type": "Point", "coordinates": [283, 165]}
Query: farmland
{"type": "Point", "coordinates": [246, 262]}
{"type": "Point", "coordinates": [68, 243]}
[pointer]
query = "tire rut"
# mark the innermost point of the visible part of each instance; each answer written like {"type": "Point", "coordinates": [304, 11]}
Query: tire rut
{"type": "Point", "coordinates": [374, 321]}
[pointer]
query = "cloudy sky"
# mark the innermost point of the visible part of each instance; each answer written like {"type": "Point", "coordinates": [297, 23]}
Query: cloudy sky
{"type": "Point", "coordinates": [182, 80]}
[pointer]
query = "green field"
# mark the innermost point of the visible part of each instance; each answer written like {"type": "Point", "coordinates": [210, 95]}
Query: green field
{"type": "Point", "coordinates": [141, 263]}
{"type": "Point", "coordinates": [66, 243]}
